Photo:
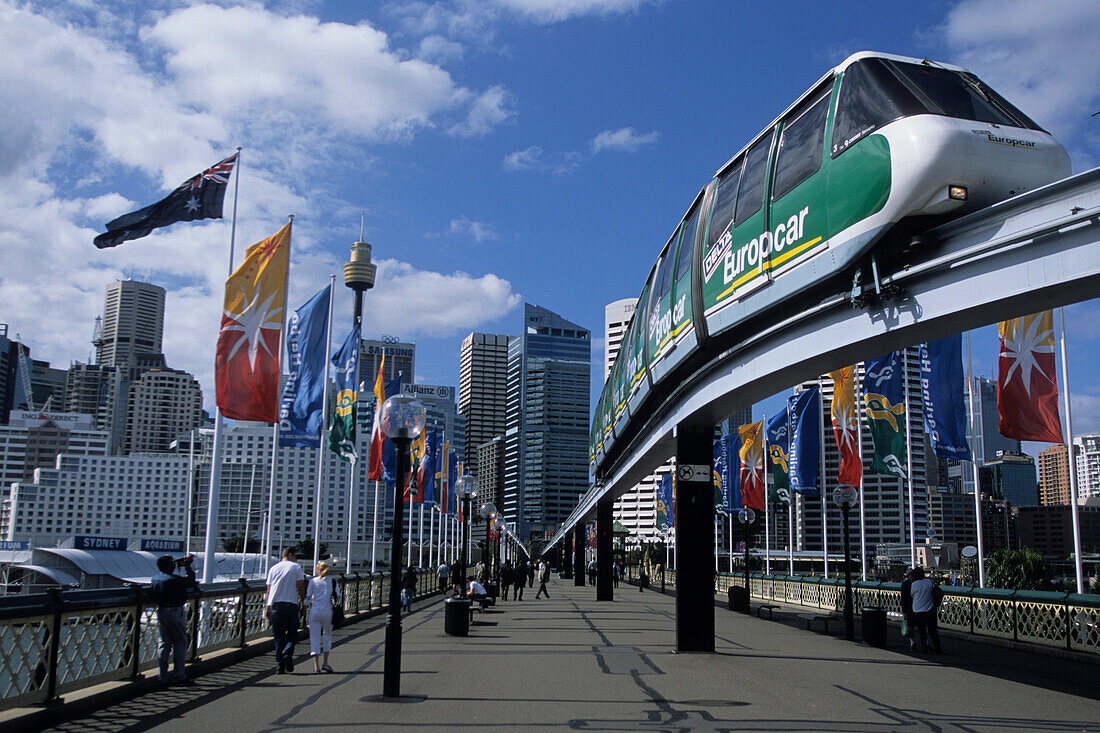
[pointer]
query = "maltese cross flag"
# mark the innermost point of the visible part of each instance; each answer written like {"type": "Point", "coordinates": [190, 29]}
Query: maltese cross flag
{"type": "Point", "coordinates": [1027, 383]}
{"type": "Point", "coordinates": [246, 367]}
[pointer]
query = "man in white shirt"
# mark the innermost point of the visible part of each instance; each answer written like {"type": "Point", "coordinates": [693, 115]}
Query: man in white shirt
{"type": "Point", "coordinates": [926, 601]}
{"type": "Point", "coordinates": [286, 590]}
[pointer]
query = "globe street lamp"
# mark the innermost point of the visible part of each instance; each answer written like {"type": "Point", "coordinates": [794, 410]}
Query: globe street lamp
{"type": "Point", "coordinates": [402, 421]}
{"type": "Point", "coordinates": [845, 497]}
{"type": "Point", "coordinates": [466, 491]}
{"type": "Point", "coordinates": [746, 516]}
{"type": "Point", "coordinates": [486, 512]}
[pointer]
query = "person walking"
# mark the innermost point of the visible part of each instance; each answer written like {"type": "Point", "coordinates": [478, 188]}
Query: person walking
{"type": "Point", "coordinates": [926, 604]}
{"type": "Point", "coordinates": [479, 572]}
{"type": "Point", "coordinates": [593, 569]}
{"type": "Point", "coordinates": [505, 579]}
{"type": "Point", "coordinates": [616, 571]}
{"type": "Point", "coordinates": [441, 573]}
{"type": "Point", "coordinates": [544, 576]}
{"type": "Point", "coordinates": [908, 623]}
{"type": "Point", "coordinates": [530, 573]}
{"type": "Point", "coordinates": [286, 589]}
{"type": "Point", "coordinates": [321, 595]}
{"type": "Point", "coordinates": [408, 588]}
{"type": "Point", "coordinates": [643, 579]}
{"type": "Point", "coordinates": [519, 579]}
{"type": "Point", "coordinates": [169, 591]}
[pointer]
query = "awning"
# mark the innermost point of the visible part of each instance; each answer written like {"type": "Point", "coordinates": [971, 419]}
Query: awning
{"type": "Point", "coordinates": [58, 576]}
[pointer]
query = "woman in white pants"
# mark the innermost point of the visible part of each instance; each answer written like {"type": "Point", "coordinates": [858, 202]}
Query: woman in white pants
{"type": "Point", "coordinates": [319, 595]}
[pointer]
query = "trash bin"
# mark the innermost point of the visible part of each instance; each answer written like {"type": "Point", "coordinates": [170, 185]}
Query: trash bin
{"type": "Point", "coordinates": [739, 598]}
{"type": "Point", "coordinates": [873, 624]}
{"type": "Point", "coordinates": [456, 617]}
{"type": "Point", "coordinates": [492, 590]}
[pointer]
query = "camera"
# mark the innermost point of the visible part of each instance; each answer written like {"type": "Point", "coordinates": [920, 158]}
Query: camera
{"type": "Point", "coordinates": [185, 560]}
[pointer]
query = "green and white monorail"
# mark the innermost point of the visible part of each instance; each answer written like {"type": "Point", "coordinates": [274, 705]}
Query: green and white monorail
{"type": "Point", "coordinates": [879, 149]}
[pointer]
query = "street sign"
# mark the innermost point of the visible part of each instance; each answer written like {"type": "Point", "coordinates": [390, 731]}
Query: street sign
{"type": "Point", "coordinates": [693, 472]}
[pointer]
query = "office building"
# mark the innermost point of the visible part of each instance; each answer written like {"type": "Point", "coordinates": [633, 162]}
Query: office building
{"type": "Point", "coordinates": [951, 516]}
{"type": "Point", "coordinates": [442, 412]}
{"type": "Point", "coordinates": [482, 388]}
{"type": "Point", "coordinates": [1087, 454]}
{"type": "Point", "coordinates": [400, 360]}
{"type": "Point", "coordinates": [616, 319]}
{"type": "Point", "coordinates": [1011, 477]}
{"type": "Point", "coordinates": [490, 473]}
{"type": "Point", "coordinates": [960, 474]}
{"type": "Point", "coordinates": [47, 387]}
{"type": "Point", "coordinates": [9, 365]}
{"type": "Point", "coordinates": [161, 404]}
{"type": "Point", "coordinates": [1049, 529]}
{"type": "Point", "coordinates": [1054, 488]}
{"type": "Point", "coordinates": [132, 323]}
{"type": "Point", "coordinates": [33, 440]}
{"type": "Point", "coordinates": [546, 431]}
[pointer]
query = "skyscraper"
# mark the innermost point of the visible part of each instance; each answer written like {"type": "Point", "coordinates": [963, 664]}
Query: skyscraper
{"type": "Point", "coordinates": [400, 359]}
{"type": "Point", "coordinates": [616, 319]}
{"type": "Point", "coordinates": [132, 323]}
{"type": "Point", "coordinates": [1086, 451]}
{"type": "Point", "coordinates": [1053, 476]}
{"type": "Point", "coordinates": [482, 387]}
{"type": "Point", "coordinates": [546, 432]}
{"type": "Point", "coordinates": [161, 404]}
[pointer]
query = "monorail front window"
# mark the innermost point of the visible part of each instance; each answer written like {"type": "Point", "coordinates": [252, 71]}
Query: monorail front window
{"type": "Point", "coordinates": [875, 92]}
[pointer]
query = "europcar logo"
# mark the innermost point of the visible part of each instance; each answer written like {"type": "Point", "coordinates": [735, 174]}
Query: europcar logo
{"type": "Point", "coordinates": [1011, 142]}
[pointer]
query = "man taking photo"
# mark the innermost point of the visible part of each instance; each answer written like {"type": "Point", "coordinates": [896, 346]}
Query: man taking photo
{"type": "Point", "coordinates": [169, 592]}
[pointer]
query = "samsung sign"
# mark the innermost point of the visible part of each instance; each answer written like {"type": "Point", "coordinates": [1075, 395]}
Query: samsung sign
{"type": "Point", "coordinates": [99, 543]}
{"type": "Point", "coordinates": [439, 392]}
{"type": "Point", "coordinates": [162, 545]}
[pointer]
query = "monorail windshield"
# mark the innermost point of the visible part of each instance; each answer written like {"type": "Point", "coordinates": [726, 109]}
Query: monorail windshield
{"type": "Point", "coordinates": [875, 92]}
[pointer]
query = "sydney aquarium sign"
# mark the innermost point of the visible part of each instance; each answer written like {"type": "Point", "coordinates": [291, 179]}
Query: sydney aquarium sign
{"type": "Point", "coordinates": [99, 543]}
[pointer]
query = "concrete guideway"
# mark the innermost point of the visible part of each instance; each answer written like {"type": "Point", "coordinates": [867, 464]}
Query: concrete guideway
{"type": "Point", "coordinates": [571, 662]}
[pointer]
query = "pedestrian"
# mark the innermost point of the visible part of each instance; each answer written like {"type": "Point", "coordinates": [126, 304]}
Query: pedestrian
{"type": "Point", "coordinates": [643, 579]}
{"type": "Point", "coordinates": [442, 572]}
{"type": "Point", "coordinates": [455, 574]}
{"type": "Point", "coordinates": [286, 590]}
{"type": "Point", "coordinates": [479, 572]}
{"type": "Point", "coordinates": [908, 624]}
{"type": "Point", "coordinates": [592, 570]}
{"type": "Point", "coordinates": [926, 604]}
{"type": "Point", "coordinates": [408, 588]}
{"type": "Point", "coordinates": [321, 595]}
{"type": "Point", "coordinates": [530, 573]}
{"type": "Point", "coordinates": [505, 580]}
{"type": "Point", "coordinates": [544, 577]}
{"type": "Point", "coordinates": [169, 592]}
{"type": "Point", "coordinates": [616, 571]}
{"type": "Point", "coordinates": [519, 579]}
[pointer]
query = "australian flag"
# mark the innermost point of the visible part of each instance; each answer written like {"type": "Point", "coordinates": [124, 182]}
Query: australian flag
{"type": "Point", "coordinates": [199, 197]}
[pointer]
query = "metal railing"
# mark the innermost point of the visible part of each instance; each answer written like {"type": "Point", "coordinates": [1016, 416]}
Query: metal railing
{"type": "Point", "coordinates": [53, 643]}
{"type": "Point", "coordinates": [1055, 619]}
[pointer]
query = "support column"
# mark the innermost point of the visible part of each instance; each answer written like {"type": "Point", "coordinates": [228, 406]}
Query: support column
{"type": "Point", "coordinates": [694, 539]}
{"type": "Point", "coordinates": [567, 556]}
{"type": "Point", "coordinates": [579, 570]}
{"type": "Point", "coordinates": [604, 533]}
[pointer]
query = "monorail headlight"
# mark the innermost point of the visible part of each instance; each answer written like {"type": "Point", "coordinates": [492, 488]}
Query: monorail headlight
{"type": "Point", "coordinates": [958, 193]}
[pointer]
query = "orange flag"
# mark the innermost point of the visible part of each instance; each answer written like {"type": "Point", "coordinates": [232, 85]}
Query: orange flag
{"type": "Point", "coordinates": [846, 426]}
{"type": "Point", "coordinates": [752, 465]}
{"type": "Point", "coordinates": [1027, 380]}
{"type": "Point", "coordinates": [246, 367]}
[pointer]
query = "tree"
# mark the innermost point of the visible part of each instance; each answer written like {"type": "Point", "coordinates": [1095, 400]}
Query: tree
{"type": "Point", "coordinates": [234, 544]}
{"type": "Point", "coordinates": [1022, 569]}
{"type": "Point", "coordinates": [304, 549]}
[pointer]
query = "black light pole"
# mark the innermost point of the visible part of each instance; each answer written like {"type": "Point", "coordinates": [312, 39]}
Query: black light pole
{"type": "Point", "coordinates": [845, 497]}
{"type": "Point", "coordinates": [487, 511]}
{"type": "Point", "coordinates": [747, 516]}
{"type": "Point", "coordinates": [402, 421]}
{"type": "Point", "coordinates": [466, 488]}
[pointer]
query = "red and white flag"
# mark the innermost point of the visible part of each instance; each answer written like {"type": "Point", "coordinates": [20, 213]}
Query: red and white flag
{"type": "Point", "coordinates": [246, 366]}
{"type": "Point", "coordinates": [1027, 380]}
{"type": "Point", "coordinates": [377, 437]}
{"type": "Point", "coordinates": [846, 426]}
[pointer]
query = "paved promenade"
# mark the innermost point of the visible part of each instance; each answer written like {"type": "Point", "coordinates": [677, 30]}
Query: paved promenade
{"type": "Point", "coordinates": [572, 663]}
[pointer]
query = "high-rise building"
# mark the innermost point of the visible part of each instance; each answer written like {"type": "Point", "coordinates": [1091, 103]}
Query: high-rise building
{"type": "Point", "coordinates": [490, 471]}
{"type": "Point", "coordinates": [951, 516]}
{"type": "Point", "coordinates": [1086, 450]}
{"type": "Point", "coordinates": [1054, 476]}
{"type": "Point", "coordinates": [960, 474]}
{"type": "Point", "coordinates": [616, 319]}
{"type": "Point", "coordinates": [442, 412]}
{"type": "Point", "coordinates": [482, 390]}
{"type": "Point", "coordinates": [1011, 477]}
{"type": "Point", "coordinates": [9, 365]}
{"type": "Point", "coordinates": [546, 432]}
{"type": "Point", "coordinates": [1049, 529]}
{"type": "Point", "coordinates": [885, 498]}
{"type": "Point", "coordinates": [132, 323]}
{"type": "Point", "coordinates": [161, 404]}
{"type": "Point", "coordinates": [47, 387]}
{"type": "Point", "coordinates": [400, 359]}
{"type": "Point", "coordinates": [35, 439]}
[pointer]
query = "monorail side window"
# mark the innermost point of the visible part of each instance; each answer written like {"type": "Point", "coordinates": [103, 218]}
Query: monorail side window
{"type": "Point", "coordinates": [721, 213]}
{"type": "Point", "coordinates": [687, 240]}
{"type": "Point", "coordinates": [800, 148]}
{"type": "Point", "coordinates": [751, 193]}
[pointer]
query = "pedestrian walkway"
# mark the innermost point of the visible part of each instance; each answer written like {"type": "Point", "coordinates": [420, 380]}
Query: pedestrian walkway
{"type": "Point", "coordinates": [571, 662]}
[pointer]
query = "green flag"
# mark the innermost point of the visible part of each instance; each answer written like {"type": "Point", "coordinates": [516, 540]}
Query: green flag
{"type": "Point", "coordinates": [341, 438]}
{"type": "Point", "coordinates": [779, 447]}
{"type": "Point", "coordinates": [884, 402]}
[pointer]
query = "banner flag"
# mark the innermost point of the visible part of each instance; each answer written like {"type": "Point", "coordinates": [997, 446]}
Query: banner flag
{"type": "Point", "coordinates": [377, 437]}
{"type": "Point", "coordinates": [199, 197]}
{"type": "Point", "coordinates": [1027, 380]}
{"type": "Point", "coordinates": [246, 365]}
{"type": "Point", "coordinates": [727, 473]}
{"type": "Point", "coordinates": [846, 426]}
{"type": "Point", "coordinates": [941, 387]}
{"type": "Point", "coordinates": [666, 504]}
{"type": "Point", "coordinates": [389, 452]}
{"type": "Point", "coordinates": [752, 465]}
{"type": "Point", "coordinates": [779, 448]}
{"type": "Point", "coordinates": [341, 438]}
{"type": "Point", "coordinates": [805, 455]}
{"type": "Point", "coordinates": [301, 409]}
{"type": "Point", "coordinates": [413, 490]}
{"type": "Point", "coordinates": [884, 403]}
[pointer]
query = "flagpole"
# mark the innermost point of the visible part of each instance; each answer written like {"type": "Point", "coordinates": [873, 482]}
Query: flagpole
{"type": "Point", "coordinates": [974, 463]}
{"type": "Point", "coordinates": [351, 502]}
{"type": "Point", "coordinates": [213, 495]}
{"type": "Point", "coordinates": [420, 535]}
{"type": "Point", "coordinates": [409, 557]}
{"type": "Point", "coordinates": [189, 506]}
{"type": "Point", "coordinates": [247, 517]}
{"type": "Point", "coordinates": [374, 525]}
{"type": "Point", "coordinates": [270, 518]}
{"type": "Point", "coordinates": [821, 492]}
{"type": "Point", "coordinates": [909, 459]}
{"type": "Point", "coordinates": [862, 515]}
{"type": "Point", "coordinates": [767, 503]}
{"type": "Point", "coordinates": [790, 532]}
{"type": "Point", "coordinates": [1077, 561]}
{"type": "Point", "coordinates": [324, 430]}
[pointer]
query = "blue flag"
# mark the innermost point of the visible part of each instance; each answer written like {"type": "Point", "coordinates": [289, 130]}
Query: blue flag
{"type": "Point", "coordinates": [389, 452]}
{"type": "Point", "coordinates": [428, 467]}
{"type": "Point", "coordinates": [727, 471]}
{"type": "Point", "coordinates": [666, 506]}
{"type": "Point", "coordinates": [341, 437]}
{"type": "Point", "coordinates": [779, 452]}
{"type": "Point", "coordinates": [805, 455]}
{"type": "Point", "coordinates": [301, 408]}
{"type": "Point", "coordinates": [452, 476]}
{"type": "Point", "coordinates": [941, 387]}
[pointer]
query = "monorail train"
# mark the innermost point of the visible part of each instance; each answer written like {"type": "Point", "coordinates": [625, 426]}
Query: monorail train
{"type": "Point", "coordinates": [839, 186]}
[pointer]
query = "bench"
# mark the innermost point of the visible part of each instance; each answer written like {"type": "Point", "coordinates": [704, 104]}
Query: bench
{"type": "Point", "coordinates": [824, 618]}
{"type": "Point", "coordinates": [769, 607]}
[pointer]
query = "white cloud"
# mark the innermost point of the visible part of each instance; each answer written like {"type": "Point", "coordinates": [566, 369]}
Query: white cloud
{"type": "Point", "coordinates": [529, 159]}
{"type": "Point", "coordinates": [438, 48]}
{"type": "Point", "coordinates": [489, 109]}
{"type": "Point", "coordinates": [1086, 413]}
{"type": "Point", "coordinates": [552, 11]}
{"type": "Point", "coordinates": [1040, 56]}
{"type": "Point", "coordinates": [624, 139]}
{"type": "Point", "coordinates": [479, 231]}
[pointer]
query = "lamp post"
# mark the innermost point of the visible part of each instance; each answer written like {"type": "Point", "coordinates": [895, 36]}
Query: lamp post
{"type": "Point", "coordinates": [486, 511]}
{"type": "Point", "coordinates": [402, 421]}
{"type": "Point", "coordinates": [465, 490]}
{"type": "Point", "coordinates": [746, 516]}
{"type": "Point", "coordinates": [845, 497]}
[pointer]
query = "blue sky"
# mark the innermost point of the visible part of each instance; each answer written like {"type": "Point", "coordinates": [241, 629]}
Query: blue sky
{"type": "Point", "coordinates": [498, 151]}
